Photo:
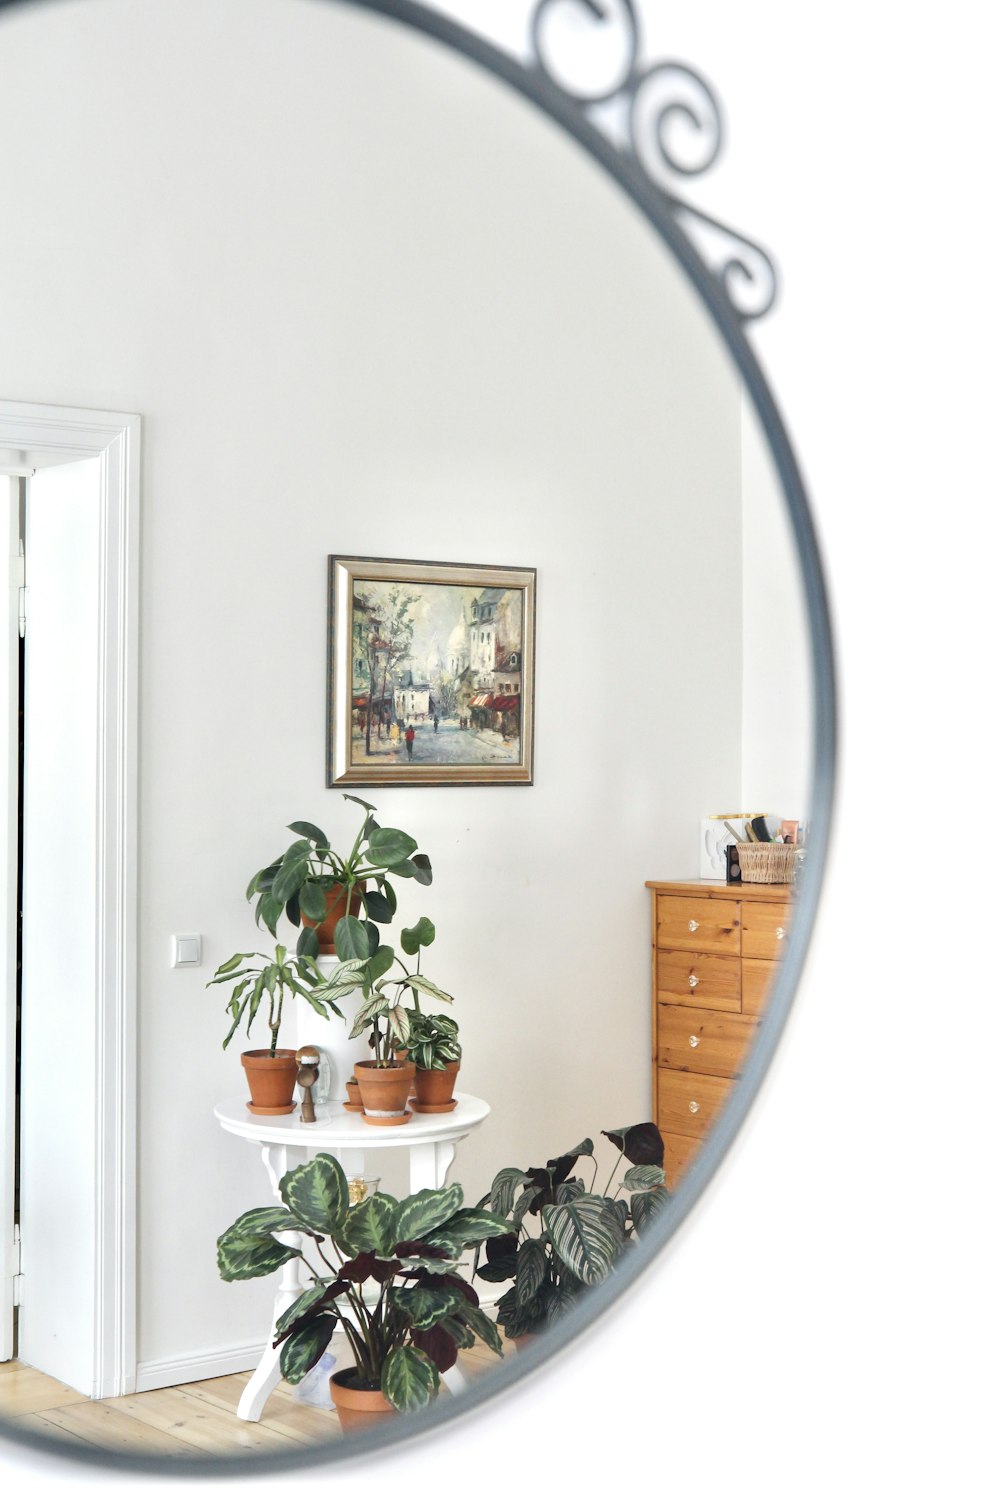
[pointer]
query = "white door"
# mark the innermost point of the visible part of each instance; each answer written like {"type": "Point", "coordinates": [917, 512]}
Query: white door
{"type": "Point", "coordinates": [9, 674]}
{"type": "Point", "coordinates": [59, 958]}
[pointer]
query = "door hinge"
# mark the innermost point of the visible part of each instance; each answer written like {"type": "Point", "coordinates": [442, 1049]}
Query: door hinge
{"type": "Point", "coordinates": [22, 591]}
{"type": "Point", "coordinates": [18, 1278]}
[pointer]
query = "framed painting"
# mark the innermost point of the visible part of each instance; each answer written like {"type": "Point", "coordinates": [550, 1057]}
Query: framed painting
{"type": "Point", "coordinates": [430, 673]}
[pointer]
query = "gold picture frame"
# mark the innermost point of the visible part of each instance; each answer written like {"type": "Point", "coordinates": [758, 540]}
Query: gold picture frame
{"type": "Point", "coordinates": [430, 673]}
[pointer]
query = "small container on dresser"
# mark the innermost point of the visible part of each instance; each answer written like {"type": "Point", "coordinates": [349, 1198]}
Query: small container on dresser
{"type": "Point", "coordinates": [716, 949]}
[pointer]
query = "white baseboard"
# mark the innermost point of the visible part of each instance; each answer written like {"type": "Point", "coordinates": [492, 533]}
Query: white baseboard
{"type": "Point", "coordinates": [206, 1364]}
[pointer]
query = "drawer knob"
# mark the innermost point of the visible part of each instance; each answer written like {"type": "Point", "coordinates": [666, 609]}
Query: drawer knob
{"type": "Point", "coordinates": [692, 925]}
{"type": "Point", "coordinates": [693, 1040]}
{"type": "Point", "coordinates": [693, 1106]}
{"type": "Point", "coordinates": [693, 981]}
{"type": "Point", "coordinates": [779, 933]}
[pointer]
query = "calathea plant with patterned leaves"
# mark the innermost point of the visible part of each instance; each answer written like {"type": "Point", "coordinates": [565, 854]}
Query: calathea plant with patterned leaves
{"type": "Point", "coordinates": [384, 1271]}
{"type": "Point", "coordinates": [561, 1236]}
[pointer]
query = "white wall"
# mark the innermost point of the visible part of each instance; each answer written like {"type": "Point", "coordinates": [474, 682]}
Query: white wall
{"type": "Point", "coordinates": [366, 301]}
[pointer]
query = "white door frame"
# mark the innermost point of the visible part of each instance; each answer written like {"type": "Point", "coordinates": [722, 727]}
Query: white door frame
{"type": "Point", "coordinates": [43, 435]}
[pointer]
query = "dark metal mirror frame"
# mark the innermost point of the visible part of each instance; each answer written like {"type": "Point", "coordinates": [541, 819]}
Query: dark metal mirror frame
{"type": "Point", "coordinates": [736, 280]}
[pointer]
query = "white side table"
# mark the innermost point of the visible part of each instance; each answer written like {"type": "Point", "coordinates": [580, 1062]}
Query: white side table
{"type": "Point", "coordinates": [286, 1142]}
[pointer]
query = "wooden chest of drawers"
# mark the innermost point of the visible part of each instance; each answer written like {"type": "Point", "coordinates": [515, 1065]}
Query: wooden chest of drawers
{"type": "Point", "coordinates": [716, 949]}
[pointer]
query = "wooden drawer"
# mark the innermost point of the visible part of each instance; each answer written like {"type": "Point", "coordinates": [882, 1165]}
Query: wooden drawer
{"type": "Point", "coordinates": [699, 924]}
{"type": "Point", "coordinates": [702, 1041]}
{"type": "Point", "coordinates": [716, 980]}
{"type": "Point", "coordinates": [765, 928]}
{"type": "Point", "coordinates": [758, 976]}
{"type": "Point", "coordinates": [678, 1153]}
{"type": "Point", "coordinates": [688, 1103]}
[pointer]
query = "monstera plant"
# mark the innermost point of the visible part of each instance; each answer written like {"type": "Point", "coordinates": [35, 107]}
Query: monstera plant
{"type": "Point", "coordinates": [560, 1234]}
{"type": "Point", "coordinates": [386, 1272]}
{"type": "Point", "coordinates": [322, 891]}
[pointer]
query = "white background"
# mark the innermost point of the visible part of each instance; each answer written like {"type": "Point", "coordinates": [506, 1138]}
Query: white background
{"type": "Point", "coordinates": [826, 1321]}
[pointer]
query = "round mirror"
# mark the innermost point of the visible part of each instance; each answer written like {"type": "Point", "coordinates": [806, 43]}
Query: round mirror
{"type": "Point", "coordinates": [372, 295]}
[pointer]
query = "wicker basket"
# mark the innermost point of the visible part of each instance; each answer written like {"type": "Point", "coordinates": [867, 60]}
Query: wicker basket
{"type": "Point", "coordinates": [767, 864]}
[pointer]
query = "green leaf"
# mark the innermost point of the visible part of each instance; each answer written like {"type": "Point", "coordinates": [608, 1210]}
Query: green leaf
{"type": "Point", "coordinates": [646, 1206]}
{"type": "Point", "coordinates": [377, 906]}
{"type": "Point", "coordinates": [300, 1307]}
{"type": "Point", "coordinates": [231, 964]}
{"type": "Point", "coordinates": [293, 911]}
{"type": "Point", "coordinates": [351, 940]}
{"type": "Point", "coordinates": [389, 894]}
{"type": "Point", "coordinates": [482, 1326]}
{"type": "Point", "coordinates": [371, 1225]}
{"type": "Point", "coordinates": [424, 1306]}
{"type": "Point", "coordinates": [422, 869]}
{"type": "Point", "coordinates": [420, 936]}
{"type": "Point", "coordinates": [380, 962]}
{"type": "Point", "coordinates": [532, 1269]}
{"type": "Point", "coordinates": [312, 900]}
{"type": "Point", "coordinates": [247, 1250]}
{"type": "Point", "coordinates": [427, 987]}
{"type": "Point", "coordinates": [316, 1193]}
{"type": "Point", "coordinates": [288, 880]}
{"type": "Point", "coordinates": [399, 1024]}
{"type": "Point", "coordinates": [349, 797]}
{"type": "Point", "coordinates": [389, 846]}
{"type": "Point", "coordinates": [308, 943]}
{"type": "Point", "coordinates": [642, 1179]}
{"type": "Point", "coordinates": [426, 1210]}
{"type": "Point", "coordinates": [409, 1379]}
{"type": "Point", "coordinates": [582, 1237]}
{"type": "Point", "coordinates": [310, 831]}
{"type": "Point", "coordinates": [269, 909]}
{"type": "Point", "coordinates": [505, 1183]}
{"type": "Point", "coordinates": [302, 1350]}
{"type": "Point", "coordinates": [469, 1227]}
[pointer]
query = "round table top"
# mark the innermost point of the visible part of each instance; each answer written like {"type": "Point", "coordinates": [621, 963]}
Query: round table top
{"type": "Point", "coordinates": [337, 1126]}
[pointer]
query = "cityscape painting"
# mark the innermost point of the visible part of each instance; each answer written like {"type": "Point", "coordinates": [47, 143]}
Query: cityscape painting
{"type": "Point", "coordinates": [430, 678]}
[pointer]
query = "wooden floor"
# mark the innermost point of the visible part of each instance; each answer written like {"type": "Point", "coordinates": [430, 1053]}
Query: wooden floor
{"type": "Point", "coordinates": [180, 1421]}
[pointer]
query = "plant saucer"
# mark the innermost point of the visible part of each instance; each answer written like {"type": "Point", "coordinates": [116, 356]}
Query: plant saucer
{"type": "Point", "coordinates": [389, 1119]}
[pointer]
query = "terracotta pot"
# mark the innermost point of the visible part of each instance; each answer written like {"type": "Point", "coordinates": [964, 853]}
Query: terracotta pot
{"type": "Point", "coordinates": [524, 1340]}
{"type": "Point", "coordinates": [336, 907]}
{"type": "Point", "coordinates": [353, 1094]}
{"type": "Point", "coordinates": [357, 1409]}
{"type": "Point", "coordinates": [434, 1089]}
{"type": "Point", "coordinates": [271, 1080]}
{"type": "Point", "coordinates": [385, 1091]}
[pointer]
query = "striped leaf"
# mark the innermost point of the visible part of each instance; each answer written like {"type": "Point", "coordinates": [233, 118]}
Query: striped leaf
{"type": "Point", "coordinates": [426, 1210]}
{"type": "Point", "coordinates": [482, 1326]}
{"type": "Point", "coordinates": [641, 1179]}
{"type": "Point", "coordinates": [531, 1270]}
{"type": "Point", "coordinates": [582, 1236]}
{"type": "Point", "coordinates": [243, 1254]}
{"type": "Point", "coordinates": [302, 1350]}
{"type": "Point", "coordinates": [370, 1225]}
{"type": "Point", "coordinates": [423, 1306]}
{"type": "Point", "coordinates": [317, 1194]}
{"type": "Point", "coordinates": [409, 1379]}
{"type": "Point", "coordinates": [505, 1184]}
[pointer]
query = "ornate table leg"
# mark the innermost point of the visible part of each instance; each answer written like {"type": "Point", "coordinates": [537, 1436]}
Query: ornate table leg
{"type": "Point", "coordinates": [277, 1160]}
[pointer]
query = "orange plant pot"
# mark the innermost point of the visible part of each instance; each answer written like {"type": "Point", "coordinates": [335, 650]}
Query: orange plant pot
{"type": "Point", "coordinates": [336, 907]}
{"type": "Point", "coordinates": [434, 1089]}
{"type": "Point", "coordinates": [271, 1080]}
{"type": "Point", "coordinates": [385, 1091]}
{"type": "Point", "coordinates": [358, 1409]}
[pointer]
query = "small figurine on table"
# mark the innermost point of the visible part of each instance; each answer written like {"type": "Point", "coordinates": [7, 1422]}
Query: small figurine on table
{"type": "Point", "coordinates": [306, 1078]}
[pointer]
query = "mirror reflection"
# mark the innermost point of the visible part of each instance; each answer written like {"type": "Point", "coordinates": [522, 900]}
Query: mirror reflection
{"type": "Point", "coordinates": [368, 303]}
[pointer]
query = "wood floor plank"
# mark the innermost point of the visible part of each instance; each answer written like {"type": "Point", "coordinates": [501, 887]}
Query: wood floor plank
{"type": "Point", "coordinates": [53, 1432]}
{"type": "Point", "coordinates": [117, 1432]}
{"type": "Point", "coordinates": [24, 1390]}
{"type": "Point", "coordinates": [178, 1414]}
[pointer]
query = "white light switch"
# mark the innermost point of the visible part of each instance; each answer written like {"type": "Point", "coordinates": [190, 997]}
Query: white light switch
{"type": "Point", "coordinates": [186, 950]}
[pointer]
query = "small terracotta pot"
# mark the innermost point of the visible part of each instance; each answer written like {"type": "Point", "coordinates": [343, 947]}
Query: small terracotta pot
{"type": "Point", "coordinates": [271, 1080]}
{"type": "Point", "coordinates": [353, 1094]}
{"type": "Point", "coordinates": [357, 1409]}
{"type": "Point", "coordinates": [336, 907]}
{"type": "Point", "coordinates": [434, 1089]}
{"type": "Point", "coordinates": [385, 1091]}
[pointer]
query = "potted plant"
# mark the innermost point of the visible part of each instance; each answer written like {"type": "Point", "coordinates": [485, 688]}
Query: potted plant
{"type": "Point", "coordinates": [436, 1054]}
{"type": "Point", "coordinates": [270, 1070]}
{"type": "Point", "coordinates": [578, 1233]}
{"type": "Point", "coordinates": [316, 888]}
{"type": "Point", "coordinates": [384, 1271]}
{"type": "Point", "coordinates": [384, 1081]}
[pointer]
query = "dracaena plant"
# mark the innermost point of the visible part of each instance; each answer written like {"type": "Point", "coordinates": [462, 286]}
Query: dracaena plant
{"type": "Point", "coordinates": [387, 982]}
{"type": "Point", "coordinates": [297, 883]}
{"type": "Point", "coordinates": [385, 1272]}
{"type": "Point", "coordinates": [561, 1235]}
{"type": "Point", "coordinates": [256, 975]}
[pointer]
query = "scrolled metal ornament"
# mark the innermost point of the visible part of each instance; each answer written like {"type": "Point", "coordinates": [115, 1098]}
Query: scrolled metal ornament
{"type": "Point", "coordinates": [673, 129]}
